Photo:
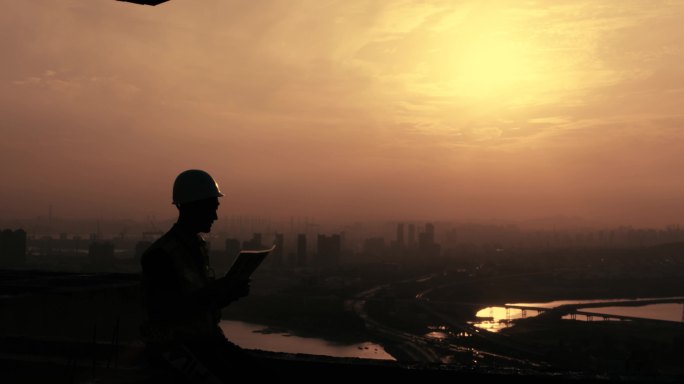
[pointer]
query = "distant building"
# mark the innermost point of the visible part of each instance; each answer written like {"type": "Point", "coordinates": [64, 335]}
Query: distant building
{"type": "Point", "coordinates": [12, 248]}
{"type": "Point", "coordinates": [277, 255]}
{"type": "Point", "coordinates": [426, 242]}
{"type": "Point", "coordinates": [412, 235]}
{"type": "Point", "coordinates": [329, 250]}
{"type": "Point", "coordinates": [430, 232]}
{"type": "Point", "coordinates": [400, 235]}
{"type": "Point", "coordinates": [253, 243]}
{"type": "Point", "coordinates": [301, 250]}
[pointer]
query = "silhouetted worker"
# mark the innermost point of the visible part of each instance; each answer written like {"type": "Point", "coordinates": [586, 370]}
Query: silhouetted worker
{"type": "Point", "coordinates": [183, 300]}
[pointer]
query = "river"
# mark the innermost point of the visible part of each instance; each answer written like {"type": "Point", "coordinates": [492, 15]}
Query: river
{"type": "Point", "coordinates": [496, 318]}
{"type": "Point", "coordinates": [255, 336]}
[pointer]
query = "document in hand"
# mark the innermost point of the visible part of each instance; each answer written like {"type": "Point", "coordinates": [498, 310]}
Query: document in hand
{"type": "Point", "coordinates": [247, 262]}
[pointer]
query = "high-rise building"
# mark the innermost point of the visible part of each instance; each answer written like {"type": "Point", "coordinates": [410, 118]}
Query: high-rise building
{"type": "Point", "coordinates": [430, 231]}
{"type": "Point", "coordinates": [329, 249]}
{"type": "Point", "coordinates": [400, 235]}
{"type": "Point", "coordinates": [426, 242]}
{"type": "Point", "coordinates": [253, 243]}
{"type": "Point", "coordinates": [279, 251]}
{"type": "Point", "coordinates": [412, 235]}
{"type": "Point", "coordinates": [301, 250]}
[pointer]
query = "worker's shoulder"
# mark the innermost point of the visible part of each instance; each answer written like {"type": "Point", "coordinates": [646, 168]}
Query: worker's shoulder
{"type": "Point", "coordinates": [164, 245]}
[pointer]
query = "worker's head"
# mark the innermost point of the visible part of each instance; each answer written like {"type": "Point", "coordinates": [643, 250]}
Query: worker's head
{"type": "Point", "coordinates": [196, 194]}
{"type": "Point", "coordinates": [193, 185]}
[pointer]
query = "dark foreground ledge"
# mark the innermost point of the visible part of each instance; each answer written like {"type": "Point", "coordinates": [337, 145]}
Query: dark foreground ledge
{"type": "Point", "coordinates": [41, 311]}
{"type": "Point", "coordinates": [24, 360]}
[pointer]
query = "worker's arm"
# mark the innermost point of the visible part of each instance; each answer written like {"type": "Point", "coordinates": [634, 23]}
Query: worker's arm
{"type": "Point", "coordinates": [165, 295]}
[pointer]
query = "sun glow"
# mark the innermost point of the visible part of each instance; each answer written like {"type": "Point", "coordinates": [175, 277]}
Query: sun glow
{"type": "Point", "coordinates": [487, 66]}
{"type": "Point", "coordinates": [486, 56]}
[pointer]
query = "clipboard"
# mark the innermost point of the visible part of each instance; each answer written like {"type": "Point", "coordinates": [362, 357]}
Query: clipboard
{"type": "Point", "coordinates": [247, 262]}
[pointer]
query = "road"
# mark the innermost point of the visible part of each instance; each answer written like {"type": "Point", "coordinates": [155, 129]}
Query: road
{"type": "Point", "coordinates": [426, 349]}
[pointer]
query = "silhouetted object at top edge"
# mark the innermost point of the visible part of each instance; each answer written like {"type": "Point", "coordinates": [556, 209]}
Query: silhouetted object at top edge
{"type": "Point", "coordinates": [145, 2]}
{"type": "Point", "coordinates": [182, 297]}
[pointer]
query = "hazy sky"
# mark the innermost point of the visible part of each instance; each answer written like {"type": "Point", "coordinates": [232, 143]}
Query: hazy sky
{"type": "Point", "coordinates": [349, 109]}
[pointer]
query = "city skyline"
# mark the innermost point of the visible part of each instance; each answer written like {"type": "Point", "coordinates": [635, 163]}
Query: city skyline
{"type": "Point", "coordinates": [426, 110]}
{"type": "Point", "coordinates": [401, 242]}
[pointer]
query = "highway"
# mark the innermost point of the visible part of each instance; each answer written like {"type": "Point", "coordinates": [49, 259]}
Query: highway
{"type": "Point", "coordinates": [430, 350]}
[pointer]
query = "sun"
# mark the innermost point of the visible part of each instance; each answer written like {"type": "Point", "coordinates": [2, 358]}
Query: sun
{"type": "Point", "coordinates": [487, 66]}
{"type": "Point", "coordinates": [478, 71]}
{"type": "Point", "coordinates": [489, 58]}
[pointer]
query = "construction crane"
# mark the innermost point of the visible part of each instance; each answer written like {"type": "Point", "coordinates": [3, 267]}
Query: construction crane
{"type": "Point", "coordinates": [154, 233]}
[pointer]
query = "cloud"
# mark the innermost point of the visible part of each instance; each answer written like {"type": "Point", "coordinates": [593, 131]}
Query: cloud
{"type": "Point", "coordinates": [481, 107]}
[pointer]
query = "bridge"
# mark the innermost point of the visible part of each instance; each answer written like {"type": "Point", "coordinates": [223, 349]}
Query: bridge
{"type": "Point", "coordinates": [577, 309]}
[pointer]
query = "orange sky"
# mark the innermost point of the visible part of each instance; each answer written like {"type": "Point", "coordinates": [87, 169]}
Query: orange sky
{"type": "Point", "coordinates": [348, 109]}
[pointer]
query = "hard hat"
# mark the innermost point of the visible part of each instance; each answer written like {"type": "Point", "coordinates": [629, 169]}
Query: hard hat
{"type": "Point", "coordinates": [193, 185]}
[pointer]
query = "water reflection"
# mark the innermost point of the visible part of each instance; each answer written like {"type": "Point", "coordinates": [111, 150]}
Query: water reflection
{"type": "Point", "coordinates": [438, 332]}
{"type": "Point", "coordinates": [254, 336]}
{"type": "Point", "coordinates": [494, 319]}
{"type": "Point", "coordinates": [443, 333]}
